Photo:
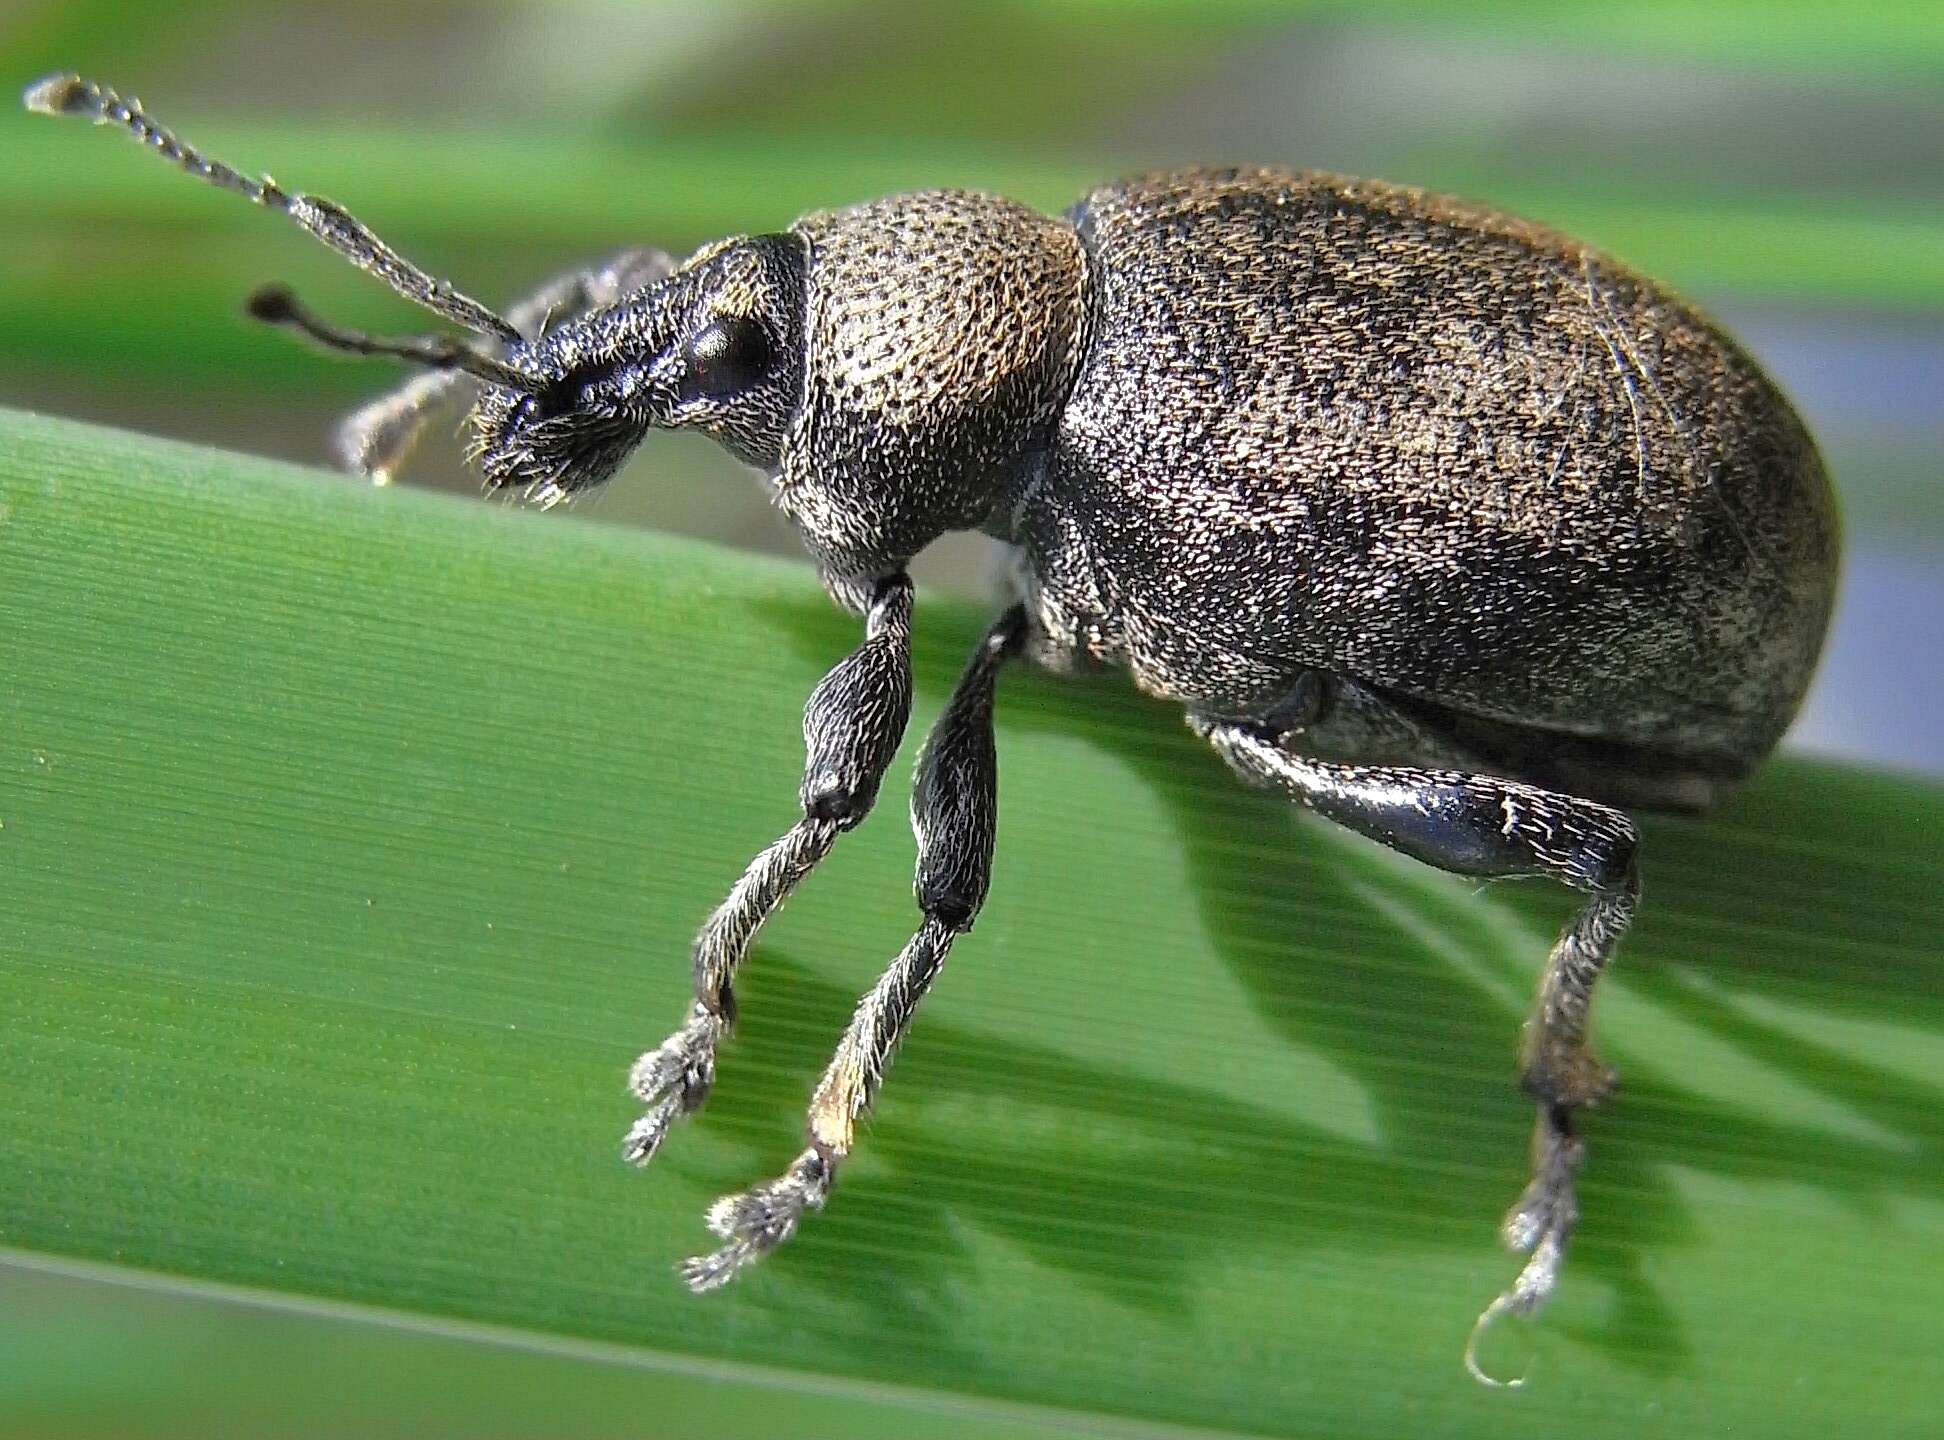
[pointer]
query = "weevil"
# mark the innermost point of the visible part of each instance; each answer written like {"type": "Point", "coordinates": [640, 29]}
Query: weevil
{"type": "Point", "coordinates": [1453, 529]}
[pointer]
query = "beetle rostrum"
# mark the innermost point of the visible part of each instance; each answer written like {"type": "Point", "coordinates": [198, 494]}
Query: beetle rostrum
{"type": "Point", "coordinates": [1453, 529]}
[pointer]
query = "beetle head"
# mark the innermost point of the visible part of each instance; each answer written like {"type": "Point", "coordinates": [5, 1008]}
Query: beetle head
{"type": "Point", "coordinates": [892, 365]}
{"type": "Point", "coordinates": [715, 346]}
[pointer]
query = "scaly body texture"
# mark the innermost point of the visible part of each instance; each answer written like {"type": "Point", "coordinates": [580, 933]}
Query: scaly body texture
{"type": "Point", "coordinates": [1452, 458]}
{"type": "Point", "coordinates": [1457, 532]}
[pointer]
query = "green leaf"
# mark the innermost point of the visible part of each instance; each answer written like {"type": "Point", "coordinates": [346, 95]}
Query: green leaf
{"type": "Point", "coordinates": [352, 843]}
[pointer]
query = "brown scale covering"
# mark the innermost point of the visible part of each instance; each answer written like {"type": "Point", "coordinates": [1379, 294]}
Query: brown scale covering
{"type": "Point", "coordinates": [1453, 456]}
{"type": "Point", "coordinates": [1527, 512]}
{"type": "Point", "coordinates": [942, 332]}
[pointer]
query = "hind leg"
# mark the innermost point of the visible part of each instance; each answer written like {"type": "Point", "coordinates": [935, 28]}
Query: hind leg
{"type": "Point", "coordinates": [1479, 825]}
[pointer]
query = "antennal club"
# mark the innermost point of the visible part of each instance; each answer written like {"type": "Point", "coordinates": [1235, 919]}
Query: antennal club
{"type": "Point", "coordinates": [71, 95]}
{"type": "Point", "coordinates": [276, 305]}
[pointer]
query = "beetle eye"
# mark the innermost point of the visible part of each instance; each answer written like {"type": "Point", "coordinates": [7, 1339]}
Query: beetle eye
{"type": "Point", "coordinates": [725, 357]}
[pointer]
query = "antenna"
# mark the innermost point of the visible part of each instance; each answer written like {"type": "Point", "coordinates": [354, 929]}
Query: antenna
{"type": "Point", "coordinates": [276, 305]}
{"type": "Point", "coordinates": [337, 228]}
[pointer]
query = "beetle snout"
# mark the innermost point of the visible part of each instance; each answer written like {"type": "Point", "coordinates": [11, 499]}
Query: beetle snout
{"type": "Point", "coordinates": [548, 442]}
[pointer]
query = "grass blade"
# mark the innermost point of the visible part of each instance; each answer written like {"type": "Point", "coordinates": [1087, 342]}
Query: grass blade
{"type": "Point", "coordinates": [352, 842]}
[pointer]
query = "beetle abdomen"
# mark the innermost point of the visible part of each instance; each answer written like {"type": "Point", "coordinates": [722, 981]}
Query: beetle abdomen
{"type": "Point", "coordinates": [1331, 424]}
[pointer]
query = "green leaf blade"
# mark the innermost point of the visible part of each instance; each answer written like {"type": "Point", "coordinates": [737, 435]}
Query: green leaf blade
{"type": "Point", "coordinates": [352, 842]}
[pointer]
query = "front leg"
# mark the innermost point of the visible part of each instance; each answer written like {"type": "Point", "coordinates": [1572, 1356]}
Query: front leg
{"type": "Point", "coordinates": [852, 724]}
{"type": "Point", "coordinates": [1480, 825]}
{"type": "Point", "coordinates": [954, 803]}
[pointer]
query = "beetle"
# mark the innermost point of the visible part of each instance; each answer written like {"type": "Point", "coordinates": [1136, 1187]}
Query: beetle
{"type": "Point", "coordinates": [1455, 530]}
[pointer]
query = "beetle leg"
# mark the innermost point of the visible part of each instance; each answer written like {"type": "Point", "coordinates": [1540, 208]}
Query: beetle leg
{"type": "Point", "coordinates": [374, 439]}
{"type": "Point", "coordinates": [852, 724]}
{"type": "Point", "coordinates": [953, 808]}
{"type": "Point", "coordinates": [1481, 825]}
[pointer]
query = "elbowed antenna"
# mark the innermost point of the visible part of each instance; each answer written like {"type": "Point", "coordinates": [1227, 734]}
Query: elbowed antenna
{"type": "Point", "coordinates": [71, 95]}
{"type": "Point", "coordinates": [276, 305]}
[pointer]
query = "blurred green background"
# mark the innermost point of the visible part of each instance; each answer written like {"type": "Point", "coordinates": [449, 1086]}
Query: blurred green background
{"type": "Point", "coordinates": [1783, 163]}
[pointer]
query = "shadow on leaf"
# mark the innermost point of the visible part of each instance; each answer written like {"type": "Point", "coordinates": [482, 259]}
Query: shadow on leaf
{"type": "Point", "coordinates": [1163, 1180]}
